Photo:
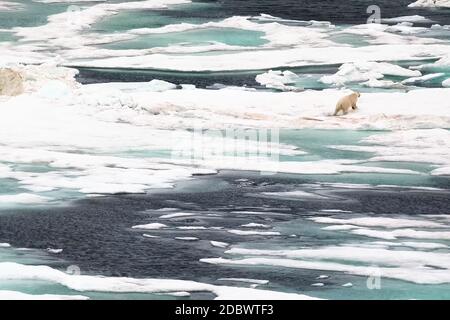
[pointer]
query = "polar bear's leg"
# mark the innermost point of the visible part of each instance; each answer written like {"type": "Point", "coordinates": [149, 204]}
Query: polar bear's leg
{"type": "Point", "coordinates": [338, 108]}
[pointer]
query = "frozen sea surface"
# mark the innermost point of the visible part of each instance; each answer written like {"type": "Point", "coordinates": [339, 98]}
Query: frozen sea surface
{"type": "Point", "coordinates": [93, 204]}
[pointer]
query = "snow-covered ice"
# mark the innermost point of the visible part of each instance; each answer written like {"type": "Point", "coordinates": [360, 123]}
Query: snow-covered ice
{"type": "Point", "coordinates": [254, 233]}
{"type": "Point", "coordinates": [150, 226]}
{"type": "Point", "coordinates": [431, 3]}
{"type": "Point", "coordinates": [85, 283]}
{"type": "Point", "coordinates": [384, 222]}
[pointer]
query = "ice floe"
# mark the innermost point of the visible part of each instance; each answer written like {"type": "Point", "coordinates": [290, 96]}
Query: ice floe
{"type": "Point", "coordinates": [375, 83]}
{"type": "Point", "coordinates": [254, 233]}
{"type": "Point", "coordinates": [318, 284]}
{"type": "Point", "coordinates": [278, 80]}
{"type": "Point", "coordinates": [213, 108]}
{"type": "Point", "coordinates": [145, 235]}
{"type": "Point", "coordinates": [219, 244]}
{"type": "Point", "coordinates": [402, 233]}
{"type": "Point", "coordinates": [444, 61]}
{"type": "Point", "coordinates": [427, 146]}
{"type": "Point", "coordinates": [176, 215]}
{"type": "Point", "coordinates": [424, 78]}
{"type": "Point", "coordinates": [23, 198]}
{"type": "Point", "coordinates": [335, 211]}
{"type": "Point", "coordinates": [256, 225]}
{"type": "Point", "coordinates": [254, 281]}
{"type": "Point", "coordinates": [297, 109]}
{"type": "Point", "coordinates": [367, 71]}
{"type": "Point", "coordinates": [423, 245]}
{"type": "Point", "coordinates": [268, 59]}
{"type": "Point", "coordinates": [413, 18]}
{"type": "Point", "coordinates": [297, 194]}
{"type": "Point", "coordinates": [403, 33]}
{"type": "Point", "coordinates": [187, 238]}
{"type": "Point", "coordinates": [385, 222]}
{"type": "Point", "coordinates": [151, 226]}
{"type": "Point", "coordinates": [56, 251]}
{"type": "Point", "coordinates": [446, 83]}
{"type": "Point", "coordinates": [430, 3]}
{"type": "Point", "coordinates": [86, 283]}
{"type": "Point", "coordinates": [341, 227]}
{"type": "Point", "coordinates": [414, 266]}
{"type": "Point", "coordinates": [192, 228]}
{"type": "Point", "coordinates": [9, 6]}
{"type": "Point", "coordinates": [347, 285]}
{"type": "Point", "coordinates": [16, 295]}
{"type": "Point", "coordinates": [276, 33]}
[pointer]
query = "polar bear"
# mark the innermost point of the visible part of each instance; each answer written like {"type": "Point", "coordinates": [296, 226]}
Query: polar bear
{"type": "Point", "coordinates": [345, 103]}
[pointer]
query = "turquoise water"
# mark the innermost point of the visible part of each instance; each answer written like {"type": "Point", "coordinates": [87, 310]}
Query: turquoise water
{"type": "Point", "coordinates": [136, 19]}
{"type": "Point", "coordinates": [31, 14]}
{"type": "Point", "coordinates": [346, 38]}
{"type": "Point", "coordinates": [229, 36]}
{"type": "Point", "coordinates": [312, 236]}
{"type": "Point", "coordinates": [7, 36]}
{"type": "Point", "coordinates": [317, 145]}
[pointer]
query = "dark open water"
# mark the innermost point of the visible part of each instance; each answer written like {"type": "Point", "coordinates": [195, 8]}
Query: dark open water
{"type": "Point", "coordinates": [336, 11]}
{"type": "Point", "coordinates": [96, 233]}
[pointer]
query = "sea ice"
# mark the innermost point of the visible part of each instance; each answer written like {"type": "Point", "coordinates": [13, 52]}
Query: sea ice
{"type": "Point", "coordinates": [385, 222]}
{"type": "Point", "coordinates": [254, 281]}
{"type": "Point", "coordinates": [23, 198]}
{"type": "Point", "coordinates": [403, 233]}
{"type": "Point", "coordinates": [413, 18]}
{"type": "Point", "coordinates": [347, 285]}
{"type": "Point", "coordinates": [430, 3]}
{"type": "Point", "coordinates": [318, 284]}
{"type": "Point", "coordinates": [16, 295]}
{"type": "Point", "coordinates": [10, 6]}
{"type": "Point", "coordinates": [278, 80]}
{"type": "Point", "coordinates": [367, 71]}
{"type": "Point", "coordinates": [56, 251]}
{"type": "Point", "coordinates": [219, 244]}
{"type": "Point", "coordinates": [176, 215]}
{"type": "Point", "coordinates": [424, 78]}
{"type": "Point", "coordinates": [255, 225]}
{"type": "Point", "coordinates": [446, 83]}
{"type": "Point", "coordinates": [150, 226]}
{"type": "Point", "coordinates": [145, 235]}
{"type": "Point", "coordinates": [254, 233]}
{"type": "Point", "coordinates": [414, 266]}
{"type": "Point", "coordinates": [187, 238]}
{"type": "Point", "coordinates": [85, 283]}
